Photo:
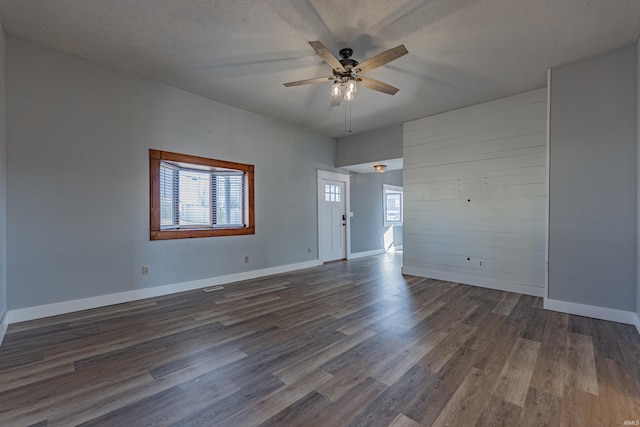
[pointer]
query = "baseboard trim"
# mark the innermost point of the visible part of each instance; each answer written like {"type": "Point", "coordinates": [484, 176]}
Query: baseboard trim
{"type": "Point", "coordinates": [474, 281]}
{"type": "Point", "coordinates": [64, 307]}
{"type": "Point", "coordinates": [602, 313]}
{"type": "Point", "coordinates": [366, 253]}
{"type": "Point", "coordinates": [4, 324]}
{"type": "Point", "coordinates": [638, 322]}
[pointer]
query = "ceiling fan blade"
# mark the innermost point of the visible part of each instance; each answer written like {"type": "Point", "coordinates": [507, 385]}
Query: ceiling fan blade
{"type": "Point", "coordinates": [377, 85]}
{"type": "Point", "coordinates": [381, 59]}
{"type": "Point", "coordinates": [335, 101]}
{"type": "Point", "coordinates": [309, 81]}
{"type": "Point", "coordinates": [327, 56]}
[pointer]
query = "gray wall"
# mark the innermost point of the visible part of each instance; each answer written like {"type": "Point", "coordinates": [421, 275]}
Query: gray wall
{"type": "Point", "coordinates": [638, 182]}
{"type": "Point", "coordinates": [593, 181]}
{"type": "Point", "coordinates": [78, 187]}
{"type": "Point", "coordinates": [475, 194]}
{"type": "Point", "coordinates": [367, 224]}
{"type": "Point", "coordinates": [3, 182]}
{"type": "Point", "coordinates": [372, 146]}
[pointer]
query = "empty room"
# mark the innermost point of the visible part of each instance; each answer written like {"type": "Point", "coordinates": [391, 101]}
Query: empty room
{"type": "Point", "coordinates": [319, 213]}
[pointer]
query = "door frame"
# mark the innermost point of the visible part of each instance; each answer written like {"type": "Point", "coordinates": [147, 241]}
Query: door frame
{"type": "Point", "coordinates": [323, 175]}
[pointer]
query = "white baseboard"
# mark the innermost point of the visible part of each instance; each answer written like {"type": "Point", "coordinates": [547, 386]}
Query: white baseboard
{"type": "Point", "coordinates": [366, 253]}
{"type": "Point", "coordinates": [4, 323]}
{"type": "Point", "coordinates": [398, 248]}
{"type": "Point", "coordinates": [474, 281]}
{"type": "Point", "coordinates": [37, 312]}
{"type": "Point", "coordinates": [603, 313]}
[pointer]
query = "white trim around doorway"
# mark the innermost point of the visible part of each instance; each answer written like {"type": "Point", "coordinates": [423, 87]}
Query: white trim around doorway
{"type": "Point", "coordinates": [340, 177]}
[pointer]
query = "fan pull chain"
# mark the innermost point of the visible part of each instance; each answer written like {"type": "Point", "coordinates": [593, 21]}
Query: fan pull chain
{"type": "Point", "coordinates": [350, 117]}
{"type": "Point", "coordinates": [347, 105]}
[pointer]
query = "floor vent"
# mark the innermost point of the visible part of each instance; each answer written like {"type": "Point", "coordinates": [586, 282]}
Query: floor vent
{"type": "Point", "coordinates": [215, 288]}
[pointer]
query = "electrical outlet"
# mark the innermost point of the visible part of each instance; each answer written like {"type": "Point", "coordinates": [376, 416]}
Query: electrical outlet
{"type": "Point", "coordinates": [145, 270]}
{"type": "Point", "coordinates": [246, 259]}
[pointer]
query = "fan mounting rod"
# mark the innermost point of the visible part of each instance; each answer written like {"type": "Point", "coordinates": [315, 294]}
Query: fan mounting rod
{"type": "Point", "coordinates": [346, 53]}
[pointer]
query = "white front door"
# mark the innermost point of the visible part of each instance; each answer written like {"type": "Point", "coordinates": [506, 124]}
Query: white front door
{"type": "Point", "coordinates": [333, 221]}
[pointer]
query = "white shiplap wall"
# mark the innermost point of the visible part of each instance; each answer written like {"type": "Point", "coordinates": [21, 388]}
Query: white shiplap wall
{"type": "Point", "coordinates": [475, 194]}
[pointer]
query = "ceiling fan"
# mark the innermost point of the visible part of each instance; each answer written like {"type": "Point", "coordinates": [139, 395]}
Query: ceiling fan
{"type": "Point", "coordinates": [347, 72]}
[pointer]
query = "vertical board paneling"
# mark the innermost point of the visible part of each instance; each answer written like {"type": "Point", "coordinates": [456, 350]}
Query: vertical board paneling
{"type": "Point", "coordinates": [475, 194]}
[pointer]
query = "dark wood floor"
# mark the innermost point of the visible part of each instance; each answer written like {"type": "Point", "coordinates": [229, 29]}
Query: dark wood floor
{"type": "Point", "coordinates": [350, 343]}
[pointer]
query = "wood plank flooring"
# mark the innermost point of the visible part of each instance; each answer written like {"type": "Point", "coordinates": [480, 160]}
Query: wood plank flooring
{"type": "Point", "coordinates": [351, 343]}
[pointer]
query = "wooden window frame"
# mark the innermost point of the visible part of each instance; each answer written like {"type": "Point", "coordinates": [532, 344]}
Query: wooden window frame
{"type": "Point", "coordinates": [157, 233]}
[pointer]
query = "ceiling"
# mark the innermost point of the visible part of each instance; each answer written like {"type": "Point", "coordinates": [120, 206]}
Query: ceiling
{"type": "Point", "coordinates": [391, 165]}
{"type": "Point", "coordinates": [240, 52]}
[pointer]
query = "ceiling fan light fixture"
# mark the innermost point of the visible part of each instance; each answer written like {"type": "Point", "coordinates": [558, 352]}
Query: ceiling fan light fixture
{"type": "Point", "coordinates": [349, 95]}
{"type": "Point", "coordinates": [336, 90]}
{"type": "Point", "coordinates": [380, 168]}
{"type": "Point", "coordinates": [351, 85]}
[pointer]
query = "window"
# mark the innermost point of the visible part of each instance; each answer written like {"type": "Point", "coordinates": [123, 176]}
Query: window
{"type": "Point", "coordinates": [199, 197]}
{"type": "Point", "coordinates": [332, 193]}
{"type": "Point", "coordinates": [392, 199]}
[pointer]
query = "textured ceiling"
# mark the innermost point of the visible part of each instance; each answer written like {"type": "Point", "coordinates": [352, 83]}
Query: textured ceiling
{"type": "Point", "coordinates": [239, 52]}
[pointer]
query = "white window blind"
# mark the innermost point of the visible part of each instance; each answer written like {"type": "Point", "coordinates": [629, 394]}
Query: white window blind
{"type": "Point", "coordinates": [229, 196]}
{"type": "Point", "coordinates": [195, 198]}
{"type": "Point", "coordinates": [168, 196]}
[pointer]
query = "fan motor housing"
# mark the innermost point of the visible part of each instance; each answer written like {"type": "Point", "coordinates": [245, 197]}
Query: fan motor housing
{"type": "Point", "coordinates": [346, 60]}
{"type": "Point", "coordinates": [349, 64]}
